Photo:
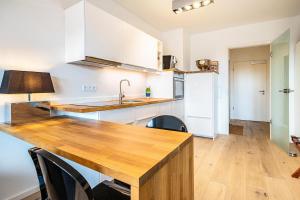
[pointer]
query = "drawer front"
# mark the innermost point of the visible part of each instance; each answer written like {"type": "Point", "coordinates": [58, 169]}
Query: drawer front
{"type": "Point", "coordinates": [123, 116]}
{"type": "Point", "coordinates": [178, 109]}
{"type": "Point", "coordinates": [200, 126]}
{"type": "Point", "coordinates": [166, 108]}
{"type": "Point", "coordinates": [146, 112]}
{"type": "Point", "coordinates": [92, 115]}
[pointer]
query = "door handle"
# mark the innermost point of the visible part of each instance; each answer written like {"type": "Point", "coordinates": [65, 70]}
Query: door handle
{"type": "Point", "coordinates": [262, 91]}
{"type": "Point", "coordinates": [286, 91]}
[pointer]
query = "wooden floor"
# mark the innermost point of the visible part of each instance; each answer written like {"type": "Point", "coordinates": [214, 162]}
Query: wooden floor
{"type": "Point", "coordinates": [244, 167]}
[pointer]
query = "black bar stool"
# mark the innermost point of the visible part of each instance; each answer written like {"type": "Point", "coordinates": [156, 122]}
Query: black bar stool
{"type": "Point", "coordinates": [60, 181]}
{"type": "Point", "coordinates": [167, 122]}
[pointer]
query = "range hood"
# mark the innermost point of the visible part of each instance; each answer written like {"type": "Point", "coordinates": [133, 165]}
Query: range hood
{"type": "Point", "coordinates": [98, 62]}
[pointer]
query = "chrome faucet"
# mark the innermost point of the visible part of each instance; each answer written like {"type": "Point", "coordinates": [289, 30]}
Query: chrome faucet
{"type": "Point", "coordinates": [121, 94]}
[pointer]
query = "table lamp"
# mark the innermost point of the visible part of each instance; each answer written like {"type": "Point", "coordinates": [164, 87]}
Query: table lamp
{"type": "Point", "coordinates": [26, 82]}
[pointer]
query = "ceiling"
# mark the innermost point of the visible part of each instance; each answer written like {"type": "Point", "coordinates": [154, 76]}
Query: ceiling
{"type": "Point", "coordinates": [221, 14]}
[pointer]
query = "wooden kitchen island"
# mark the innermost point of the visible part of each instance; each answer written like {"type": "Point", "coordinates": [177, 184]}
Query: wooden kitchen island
{"type": "Point", "coordinates": [158, 164]}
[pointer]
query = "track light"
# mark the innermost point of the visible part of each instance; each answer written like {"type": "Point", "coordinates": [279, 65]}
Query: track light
{"type": "Point", "coordinates": [180, 6]}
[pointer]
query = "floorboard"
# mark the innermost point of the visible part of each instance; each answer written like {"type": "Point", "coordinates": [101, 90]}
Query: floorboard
{"type": "Point", "coordinates": [244, 167]}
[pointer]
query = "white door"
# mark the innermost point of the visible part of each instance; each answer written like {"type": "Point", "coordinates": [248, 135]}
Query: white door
{"type": "Point", "coordinates": [249, 95]}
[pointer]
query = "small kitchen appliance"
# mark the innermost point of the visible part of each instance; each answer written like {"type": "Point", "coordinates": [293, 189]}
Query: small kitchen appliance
{"type": "Point", "coordinates": [169, 62]}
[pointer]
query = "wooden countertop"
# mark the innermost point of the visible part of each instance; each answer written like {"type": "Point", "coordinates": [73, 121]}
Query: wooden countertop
{"type": "Point", "coordinates": [86, 108]}
{"type": "Point", "coordinates": [129, 153]}
{"type": "Point", "coordinates": [189, 72]}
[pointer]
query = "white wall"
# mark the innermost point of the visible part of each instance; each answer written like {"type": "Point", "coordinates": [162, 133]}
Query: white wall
{"type": "Point", "coordinates": [161, 84]}
{"type": "Point", "coordinates": [186, 50]}
{"type": "Point", "coordinates": [176, 42]}
{"type": "Point", "coordinates": [215, 45]}
{"type": "Point", "coordinates": [32, 38]}
{"type": "Point", "coordinates": [297, 91]}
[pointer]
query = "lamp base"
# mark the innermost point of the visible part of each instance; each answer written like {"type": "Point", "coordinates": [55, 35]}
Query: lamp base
{"type": "Point", "coordinates": [19, 113]}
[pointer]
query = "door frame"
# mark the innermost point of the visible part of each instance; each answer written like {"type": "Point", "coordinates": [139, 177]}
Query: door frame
{"type": "Point", "coordinates": [230, 81]}
{"type": "Point", "coordinates": [233, 93]}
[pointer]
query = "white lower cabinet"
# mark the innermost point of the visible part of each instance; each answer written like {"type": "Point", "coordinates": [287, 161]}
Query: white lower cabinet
{"type": "Point", "coordinates": [200, 126]}
{"type": "Point", "coordinates": [141, 115]}
{"type": "Point", "coordinates": [144, 114]}
{"type": "Point", "coordinates": [166, 108]}
{"type": "Point", "coordinates": [178, 109]}
{"type": "Point", "coordinates": [123, 116]}
{"type": "Point", "coordinates": [91, 115]}
{"type": "Point", "coordinates": [201, 95]}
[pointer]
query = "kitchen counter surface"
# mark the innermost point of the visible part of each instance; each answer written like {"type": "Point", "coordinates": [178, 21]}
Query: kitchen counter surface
{"type": "Point", "coordinates": [107, 105]}
{"type": "Point", "coordinates": [128, 153]}
{"type": "Point", "coordinates": [189, 72]}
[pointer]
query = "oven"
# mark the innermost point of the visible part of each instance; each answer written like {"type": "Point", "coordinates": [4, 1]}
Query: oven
{"type": "Point", "coordinates": [178, 86]}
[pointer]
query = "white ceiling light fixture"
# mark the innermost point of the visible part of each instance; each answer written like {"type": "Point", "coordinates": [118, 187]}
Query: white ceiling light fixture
{"type": "Point", "coordinates": [188, 7]}
{"type": "Point", "coordinates": [180, 6]}
{"type": "Point", "coordinates": [196, 4]}
{"type": "Point", "coordinates": [179, 10]}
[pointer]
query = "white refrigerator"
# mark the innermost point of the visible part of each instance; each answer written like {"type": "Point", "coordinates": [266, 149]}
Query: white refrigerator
{"type": "Point", "coordinates": [201, 100]}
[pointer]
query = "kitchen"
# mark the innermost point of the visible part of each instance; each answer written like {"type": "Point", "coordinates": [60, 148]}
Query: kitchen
{"type": "Point", "coordinates": [107, 78]}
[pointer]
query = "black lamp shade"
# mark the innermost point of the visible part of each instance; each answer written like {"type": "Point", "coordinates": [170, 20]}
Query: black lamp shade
{"type": "Point", "coordinates": [21, 82]}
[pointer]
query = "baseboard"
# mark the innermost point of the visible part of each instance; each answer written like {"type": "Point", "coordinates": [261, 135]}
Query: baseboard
{"type": "Point", "coordinates": [24, 193]}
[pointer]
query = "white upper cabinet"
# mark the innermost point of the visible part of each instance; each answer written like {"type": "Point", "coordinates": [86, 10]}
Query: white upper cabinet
{"type": "Point", "coordinates": [92, 32]}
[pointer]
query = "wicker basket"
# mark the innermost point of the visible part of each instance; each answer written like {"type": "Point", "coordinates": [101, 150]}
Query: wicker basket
{"type": "Point", "coordinates": [203, 64]}
{"type": "Point", "coordinates": [207, 65]}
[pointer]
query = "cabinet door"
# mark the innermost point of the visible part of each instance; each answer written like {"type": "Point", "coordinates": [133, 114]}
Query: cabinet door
{"type": "Point", "coordinates": [91, 115]}
{"type": "Point", "coordinates": [110, 38]}
{"type": "Point", "coordinates": [200, 126]}
{"type": "Point", "coordinates": [146, 112]}
{"type": "Point", "coordinates": [143, 122]}
{"type": "Point", "coordinates": [123, 116]}
{"type": "Point", "coordinates": [178, 109]}
{"type": "Point", "coordinates": [199, 95]}
{"type": "Point", "coordinates": [166, 108]}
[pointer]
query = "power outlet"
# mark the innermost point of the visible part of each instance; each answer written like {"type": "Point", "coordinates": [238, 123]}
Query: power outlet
{"type": "Point", "coordinates": [89, 88]}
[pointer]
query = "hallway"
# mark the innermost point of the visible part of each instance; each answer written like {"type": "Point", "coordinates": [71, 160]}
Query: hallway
{"type": "Point", "coordinates": [246, 167]}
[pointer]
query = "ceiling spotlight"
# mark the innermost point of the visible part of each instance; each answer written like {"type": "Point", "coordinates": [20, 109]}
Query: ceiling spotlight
{"type": "Point", "coordinates": [179, 10]}
{"type": "Point", "coordinates": [196, 4]}
{"type": "Point", "coordinates": [180, 6]}
{"type": "Point", "coordinates": [188, 7]}
{"type": "Point", "coordinates": [206, 2]}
